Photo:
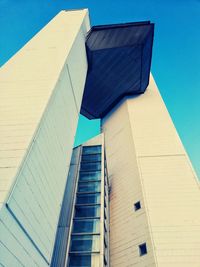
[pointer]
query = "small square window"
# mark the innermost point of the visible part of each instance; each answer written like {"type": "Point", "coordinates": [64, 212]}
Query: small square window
{"type": "Point", "coordinates": [143, 249]}
{"type": "Point", "coordinates": [137, 206]}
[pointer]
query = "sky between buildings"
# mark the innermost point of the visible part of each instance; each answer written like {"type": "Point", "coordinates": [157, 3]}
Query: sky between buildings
{"type": "Point", "coordinates": [176, 52]}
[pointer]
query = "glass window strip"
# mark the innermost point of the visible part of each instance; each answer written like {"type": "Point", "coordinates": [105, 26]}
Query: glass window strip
{"type": "Point", "coordinates": [90, 166]}
{"type": "Point", "coordinates": [89, 187]}
{"type": "Point", "coordinates": [89, 176]}
{"type": "Point", "coordinates": [85, 230]}
{"type": "Point", "coordinates": [86, 226]}
{"type": "Point", "coordinates": [92, 198]}
{"type": "Point", "coordinates": [85, 243]}
{"type": "Point", "coordinates": [84, 260]}
{"type": "Point", "coordinates": [91, 149]}
{"type": "Point", "coordinates": [87, 211]}
{"type": "Point", "coordinates": [91, 158]}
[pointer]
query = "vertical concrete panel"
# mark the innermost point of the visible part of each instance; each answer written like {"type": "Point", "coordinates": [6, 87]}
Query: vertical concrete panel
{"type": "Point", "coordinates": [170, 186]}
{"type": "Point", "coordinates": [128, 228]}
{"type": "Point", "coordinates": [41, 103]}
{"type": "Point", "coordinates": [173, 200]}
{"type": "Point", "coordinates": [147, 162]}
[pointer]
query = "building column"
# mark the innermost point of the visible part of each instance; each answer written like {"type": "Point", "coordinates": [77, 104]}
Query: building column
{"type": "Point", "coordinates": [155, 197]}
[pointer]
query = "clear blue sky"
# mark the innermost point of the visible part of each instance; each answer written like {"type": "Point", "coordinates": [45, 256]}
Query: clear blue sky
{"type": "Point", "coordinates": [176, 55]}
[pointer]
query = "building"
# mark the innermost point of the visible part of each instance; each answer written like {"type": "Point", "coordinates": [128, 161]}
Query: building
{"type": "Point", "coordinates": [128, 197]}
{"type": "Point", "coordinates": [83, 236]}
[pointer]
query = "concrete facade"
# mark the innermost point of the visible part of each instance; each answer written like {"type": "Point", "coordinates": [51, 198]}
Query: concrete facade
{"type": "Point", "coordinates": [41, 90]}
{"type": "Point", "coordinates": [147, 163]}
{"type": "Point", "coordinates": [40, 98]}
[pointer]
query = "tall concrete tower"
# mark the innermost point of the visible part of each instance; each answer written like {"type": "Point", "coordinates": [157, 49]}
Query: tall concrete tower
{"type": "Point", "coordinates": [129, 197]}
{"type": "Point", "coordinates": [40, 99]}
{"type": "Point", "coordinates": [155, 196]}
{"type": "Point", "coordinates": [154, 192]}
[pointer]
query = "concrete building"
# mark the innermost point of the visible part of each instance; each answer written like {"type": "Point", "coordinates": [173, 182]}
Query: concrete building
{"type": "Point", "coordinates": [128, 197]}
{"type": "Point", "coordinates": [40, 95]}
{"type": "Point", "coordinates": [83, 237]}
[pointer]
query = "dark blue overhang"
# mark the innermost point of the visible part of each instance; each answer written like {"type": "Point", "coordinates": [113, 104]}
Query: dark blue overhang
{"type": "Point", "coordinates": [119, 61]}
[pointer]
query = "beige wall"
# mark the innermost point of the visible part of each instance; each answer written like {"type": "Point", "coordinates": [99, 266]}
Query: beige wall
{"type": "Point", "coordinates": [147, 162]}
{"type": "Point", "coordinates": [40, 100]}
{"type": "Point", "coordinates": [128, 228]}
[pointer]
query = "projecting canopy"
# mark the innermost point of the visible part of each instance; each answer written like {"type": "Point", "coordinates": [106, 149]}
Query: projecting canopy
{"type": "Point", "coordinates": [119, 61]}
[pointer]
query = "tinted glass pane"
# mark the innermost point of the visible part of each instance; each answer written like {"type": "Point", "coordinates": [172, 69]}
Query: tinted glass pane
{"type": "Point", "coordinates": [88, 198]}
{"type": "Point", "coordinates": [87, 243]}
{"type": "Point", "coordinates": [80, 260]}
{"type": "Point", "coordinates": [87, 211]}
{"type": "Point", "coordinates": [91, 158]}
{"type": "Point", "coordinates": [84, 260]}
{"type": "Point", "coordinates": [89, 187]}
{"type": "Point", "coordinates": [90, 176]}
{"type": "Point", "coordinates": [90, 166]}
{"type": "Point", "coordinates": [143, 249]}
{"type": "Point", "coordinates": [91, 149]}
{"type": "Point", "coordinates": [86, 226]}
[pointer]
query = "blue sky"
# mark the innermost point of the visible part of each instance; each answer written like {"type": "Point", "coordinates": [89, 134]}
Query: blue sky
{"type": "Point", "coordinates": [176, 56]}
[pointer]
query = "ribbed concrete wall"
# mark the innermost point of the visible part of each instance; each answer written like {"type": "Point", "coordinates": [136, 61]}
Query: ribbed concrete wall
{"type": "Point", "coordinates": [170, 185]}
{"type": "Point", "coordinates": [128, 228]}
{"type": "Point", "coordinates": [147, 162]}
{"type": "Point", "coordinates": [40, 100]}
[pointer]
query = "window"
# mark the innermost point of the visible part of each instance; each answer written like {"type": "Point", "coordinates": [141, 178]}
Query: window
{"type": "Point", "coordinates": [86, 243]}
{"type": "Point", "coordinates": [93, 198]}
{"type": "Point", "coordinates": [91, 149]}
{"type": "Point", "coordinates": [105, 200]}
{"type": "Point", "coordinates": [143, 249]}
{"type": "Point", "coordinates": [86, 226]}
{"type": "Point", "coordinates": [90, 176]}
{"type": "Point", "coordinates": [105, 227]}
{"type": "Point", "coordinates": [90, 260]}
{"type": "Point", "coordinates": [87, 211]}
{"type": "Point", "coordinates": [105, 241]}
{"type": "Point", "coordinates": [137, 206]}
{"type": "Point", "coordinates": [105, 260]}
{"type": "Point", "coordinates": [91, 158]}
{"type": "Point", "coordinates": [86, 236]}
{"type": "Point", "coordinates": [80, 260]}
{"type": "Point", "coordinates": [105, 214]}
{"type": "Point", "coordinates": [89, 187]}
{"type": "Point", "coordinates": [90, 166]}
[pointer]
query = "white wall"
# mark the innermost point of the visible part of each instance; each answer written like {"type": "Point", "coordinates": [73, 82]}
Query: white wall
{"type": "Point", "coordinates": [128, 228]}
{"type": "Point", "coordinates": [147, 162]}
{"type": "Point", "coordinates": [170, 184]}
{"type": "Point", "coordinates": [40, 101]}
